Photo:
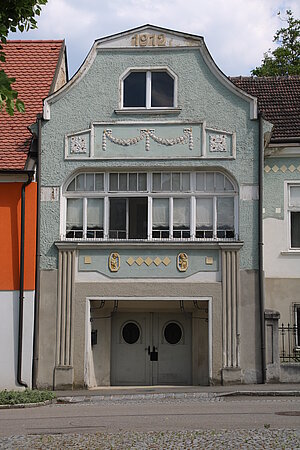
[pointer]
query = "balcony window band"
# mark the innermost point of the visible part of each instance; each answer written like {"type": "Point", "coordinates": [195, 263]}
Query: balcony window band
{"type": "Point", "coordinates": [151, 206]}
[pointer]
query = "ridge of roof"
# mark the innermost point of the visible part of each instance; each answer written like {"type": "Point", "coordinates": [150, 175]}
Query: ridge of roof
{"type": "Point", "coordinates": [33, 41]}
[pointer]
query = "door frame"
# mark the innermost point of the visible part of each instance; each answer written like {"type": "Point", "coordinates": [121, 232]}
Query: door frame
{"type": "Point", "coordinates": [88, 370]}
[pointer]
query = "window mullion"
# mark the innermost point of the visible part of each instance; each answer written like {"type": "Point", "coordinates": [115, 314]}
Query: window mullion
{"type": "Point", "coordinates": [127, 218]}
{"type": "Point", "coordinates": [236, 217]}
{"type": "Point", "coordinates": [106, 217]}
{"type": "Point", "coordinates": [171, 217]}
{"type": "Point", "coordinates": [149, 232]}
{"type": "Point", "coordinates": [193, 217]}
{"type": "Point", "coordinates": [148, 89]}
{"type": "Point", "coordinates": [215, 218]}
{"type": "Point", "coordinates": [84, 221]}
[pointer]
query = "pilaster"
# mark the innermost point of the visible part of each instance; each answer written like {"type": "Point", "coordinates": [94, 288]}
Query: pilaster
{"type": "Point", "coordinates": [63, 372]}
{"type": "Point", "coordinates": [231, 372]}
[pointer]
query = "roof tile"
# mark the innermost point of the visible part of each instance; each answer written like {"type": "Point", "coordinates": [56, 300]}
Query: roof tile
{"type": "Point", "coordinates": [33, 65]}
{"type": "Point", "coordinates": [278, 100]}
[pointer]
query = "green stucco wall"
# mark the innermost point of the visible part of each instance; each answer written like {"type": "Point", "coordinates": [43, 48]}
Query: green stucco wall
{"type": "Point", "coordinates": [201, 97]}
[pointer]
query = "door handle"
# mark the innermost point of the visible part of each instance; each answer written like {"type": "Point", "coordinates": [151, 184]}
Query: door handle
{"type": "Point", "coordinates": [149, 350]}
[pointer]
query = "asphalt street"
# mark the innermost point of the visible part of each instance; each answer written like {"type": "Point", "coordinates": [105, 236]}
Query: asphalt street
{"type": "Point", "coordinates": [153, 415]}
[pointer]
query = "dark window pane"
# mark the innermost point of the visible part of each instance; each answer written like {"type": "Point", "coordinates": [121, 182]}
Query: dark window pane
{"type": "Point", "coordinates": [173, 333]}
{"type": "Point", "coordinates": [162, 89]}
{"type": "Point", "coordinates": [295, 229]}
{"type": "Point", "coordinates": [138, 218]}
{"type": "Point", "coordinates": [131, 333]}
{"type": "Point", "coordinates": [117, 218]}
{"type": "Point", "coordinates": [135, 89]}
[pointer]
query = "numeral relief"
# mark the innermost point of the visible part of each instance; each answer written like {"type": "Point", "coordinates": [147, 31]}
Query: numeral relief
{"type": "Point", "coordinates": [148, 40]}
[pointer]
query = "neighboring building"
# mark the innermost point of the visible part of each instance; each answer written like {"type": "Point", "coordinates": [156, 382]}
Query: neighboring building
{"type": "Point", "coordinates": [150, 219]}
{"type": "Point", "coordinates": [279, 102]}
{"type": "Point", "coordinates": [39, 68]}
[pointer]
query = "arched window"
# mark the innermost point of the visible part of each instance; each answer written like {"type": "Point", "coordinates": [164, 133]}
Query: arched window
{"type": "Point", "coordinates": [175, 205]}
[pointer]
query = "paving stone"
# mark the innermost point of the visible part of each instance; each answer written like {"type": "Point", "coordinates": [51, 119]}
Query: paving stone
{"type": "Point", "coordinates": [197, 439]}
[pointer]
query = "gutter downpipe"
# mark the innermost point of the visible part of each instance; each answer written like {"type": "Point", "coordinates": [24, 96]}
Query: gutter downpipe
{"type": "Point", "coordinates": [21, 287]}
{"type": "Point", "coordinates": [261, 250]}
{"type": "Point", "coordinates": [35, 356]}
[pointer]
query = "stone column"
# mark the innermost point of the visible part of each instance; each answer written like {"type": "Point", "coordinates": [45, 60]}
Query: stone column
{"type": "Point", "coordinates": [272, 346]}
{"type": "Point", "coordinates": [64, 372]}
{"type": "Point", "coordinates": [231, 372]}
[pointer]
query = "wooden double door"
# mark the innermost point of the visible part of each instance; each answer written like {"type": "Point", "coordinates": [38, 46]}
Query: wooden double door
{"type": "Point", "coordinates": [151, 349]}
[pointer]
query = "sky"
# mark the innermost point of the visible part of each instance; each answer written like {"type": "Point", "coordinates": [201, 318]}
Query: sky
{"type": "Point", "coordinates": [236, 32]}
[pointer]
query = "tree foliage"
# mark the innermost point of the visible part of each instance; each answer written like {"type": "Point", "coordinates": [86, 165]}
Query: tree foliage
{"type": "Point", "coordinates": [285, 59]}
{"type": "Point", "coordinates": [14, 15]}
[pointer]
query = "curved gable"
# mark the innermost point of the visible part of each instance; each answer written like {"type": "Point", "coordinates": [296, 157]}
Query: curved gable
{"type": "Point", "coordinates": [153, 38]}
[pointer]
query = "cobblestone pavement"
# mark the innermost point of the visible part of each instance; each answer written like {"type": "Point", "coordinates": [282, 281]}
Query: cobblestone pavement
{"type": "Point", "coordinates": [198, 439]}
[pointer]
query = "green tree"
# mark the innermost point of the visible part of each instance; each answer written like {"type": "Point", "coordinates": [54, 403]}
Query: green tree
{"type": "Point", "coordinates": [14, 15]}
{"type": "Point", "coordinates": [285, 59]}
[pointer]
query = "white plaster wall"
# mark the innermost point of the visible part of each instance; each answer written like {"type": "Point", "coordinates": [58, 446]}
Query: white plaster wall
{"type": "Point", "coordinates": [276, 263]}
{"type": "Point", "coordinates": [9, 313]}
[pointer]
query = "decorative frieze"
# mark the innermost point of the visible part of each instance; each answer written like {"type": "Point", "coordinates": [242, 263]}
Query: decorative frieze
{"type": "Point", "coordinates": [147, 134]}
{"type": "Point", "coordinates": [283, 168]}
{"type": "Point", "coordinates": [148, 261]}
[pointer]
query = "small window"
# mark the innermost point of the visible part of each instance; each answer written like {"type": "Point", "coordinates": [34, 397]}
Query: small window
{"type": "Point", "coordinates": [294, 212]}
{"type": "Point", "coordinates": [171, 181]}
{"type": "Point", "coordinates": [173, 333]}
{"type": "Point", "coordinates": [131, 333]}
{"type": "Point", "coordinates": [124, 182]}
{"type": "Point", "coordinates": [148, 89]}
{"type": "Point", "coordinates": [87, 182]}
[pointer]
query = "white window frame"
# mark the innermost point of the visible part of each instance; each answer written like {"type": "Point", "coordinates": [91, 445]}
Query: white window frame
{"type": "Point", "coordinates": [289, 209]}
{"type": "Point", "coordinates": [296, 307]}
{"type": "Point", "coordinates": [148, 70]}
{"type": "Point", "coordinates": [190, 194]}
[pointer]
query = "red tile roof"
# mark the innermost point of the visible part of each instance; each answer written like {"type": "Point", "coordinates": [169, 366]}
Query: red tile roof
{"type": "Point", "coordinates": [33, 65]}
{"type": "Point", "coordinates": [278, 101]}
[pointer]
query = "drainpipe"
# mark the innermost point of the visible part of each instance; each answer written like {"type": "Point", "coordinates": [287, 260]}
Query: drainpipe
{"type": "Point", "coordinates": [21, 288]}
{"type": "Point", "coordinates": [261, 249]}
{"type": "Point", "coordinates": [35, 358]}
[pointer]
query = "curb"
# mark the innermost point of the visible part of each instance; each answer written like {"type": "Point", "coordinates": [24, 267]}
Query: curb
{"type": "Point", "coordinates": [28, 405]}
{"type": "Point", "coordinates": [261, 394]}
{"type": "Point", "coordinates": [173, 395]}
{"type": "Point", "coordinates": [118, 397]}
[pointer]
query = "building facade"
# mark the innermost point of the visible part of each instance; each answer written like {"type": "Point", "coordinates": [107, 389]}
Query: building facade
{"type": "Point", "coordinates": [150, 219]}
{"type": "Point", "coordinates": [39, 68]}
{"type": "Point", "coordinates": [279, 102]}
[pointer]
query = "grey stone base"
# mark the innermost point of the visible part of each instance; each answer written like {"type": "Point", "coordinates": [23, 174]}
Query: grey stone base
{"type": "Point", "coordinates": [231, 375]}
{"type": "Point", "coordinates": [290, 373]}
{"type": "Point", "coordinates": [63, 377]}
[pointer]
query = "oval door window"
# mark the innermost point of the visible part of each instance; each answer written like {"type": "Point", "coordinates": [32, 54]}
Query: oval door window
{"type": "Point", "coordinates": [131, 333]}
{"type": "Point", "coordinates": [173, 333]}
